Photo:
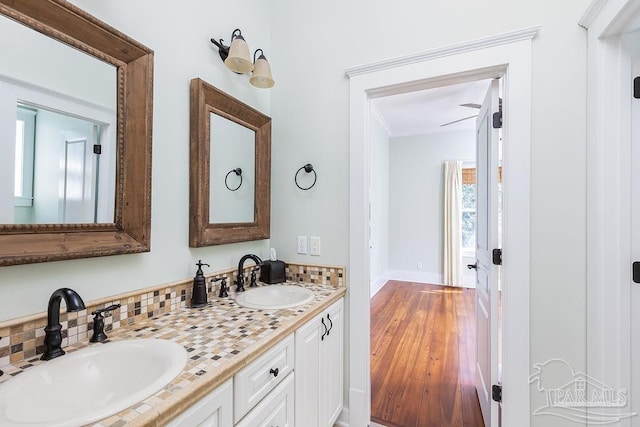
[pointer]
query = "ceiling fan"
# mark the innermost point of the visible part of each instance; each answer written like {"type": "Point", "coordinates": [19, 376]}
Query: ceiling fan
{"type": "Point", "coordinates": [470, 105]}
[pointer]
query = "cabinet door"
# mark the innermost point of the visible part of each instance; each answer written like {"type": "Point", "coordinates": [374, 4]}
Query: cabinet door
{"type": "Point", "coordinates": [213, 410]}
{"type": "Point", "coordinates": [331, 366]}
{"type": "Point", "coordinates": [275, 410]}
{"type": "Point", "coordinates": [307, 364]}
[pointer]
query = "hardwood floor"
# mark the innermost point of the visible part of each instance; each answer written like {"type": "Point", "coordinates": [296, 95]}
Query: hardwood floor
{"type": "Point", "coordinates": [423, 356]}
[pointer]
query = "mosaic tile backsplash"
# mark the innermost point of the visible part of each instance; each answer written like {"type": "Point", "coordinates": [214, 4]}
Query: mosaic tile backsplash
{"type": "Point", "coordinates": [22, 339]}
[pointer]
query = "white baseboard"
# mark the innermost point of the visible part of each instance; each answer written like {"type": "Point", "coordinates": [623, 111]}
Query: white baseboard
{"type": "Point", "coordinates": [416, 276]}
{"type": "Point", "coordinates": [343, 418]}
{"type": "Point", "coordinates": [378, 283]}
{"type": "Point", "coordinates": [468, 281]}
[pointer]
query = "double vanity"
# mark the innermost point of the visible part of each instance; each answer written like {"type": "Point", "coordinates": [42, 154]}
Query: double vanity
{"type": "Point", "coordinates": [226, 364]}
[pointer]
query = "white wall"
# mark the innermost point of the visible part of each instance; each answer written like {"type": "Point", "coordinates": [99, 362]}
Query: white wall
{"type": "Point", "coordinates": [66, 69]}
{"type": "Point", "coordinates": [313, 45]}
{"type": "Point", "coordinates": [417, 201]}
{"type": "Point", "coordinates": [179, 34]}
{"type": "Point", "coordinates": [379, 191]}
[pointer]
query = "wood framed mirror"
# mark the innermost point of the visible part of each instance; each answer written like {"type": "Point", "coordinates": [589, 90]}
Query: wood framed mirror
{"type": "Point", "coordinates": [218, 116]}
{"type": "Point", "coordinates": [131, 227]}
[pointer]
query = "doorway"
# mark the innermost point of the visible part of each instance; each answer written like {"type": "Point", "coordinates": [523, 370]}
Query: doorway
{"type": "Point", "coordinates": [416, 321]}
{"type": "Point", "coordinates": [507, 55]}
{"type": "Point", "coordinates": [613, 243]}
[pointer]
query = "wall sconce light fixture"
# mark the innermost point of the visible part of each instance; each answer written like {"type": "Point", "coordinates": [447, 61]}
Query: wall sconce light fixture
{"type": "Point", "coordinates": [261, 76]}
{"type": "Point", "coordinates": [238, 59]}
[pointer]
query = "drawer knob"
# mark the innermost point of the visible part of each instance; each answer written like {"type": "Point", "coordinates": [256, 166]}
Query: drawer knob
{"type": "Point", "coordinates": [275, 372]}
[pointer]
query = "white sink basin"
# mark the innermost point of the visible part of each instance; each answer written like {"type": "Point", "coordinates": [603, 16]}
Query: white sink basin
{"type": "Point", "coordinates": [273, 297]}
{"type": "Point", "coordinates": [90, 384]}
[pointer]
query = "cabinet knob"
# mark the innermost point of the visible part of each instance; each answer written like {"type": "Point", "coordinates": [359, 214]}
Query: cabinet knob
{"type": "Point", "coordinates": [275, 372]}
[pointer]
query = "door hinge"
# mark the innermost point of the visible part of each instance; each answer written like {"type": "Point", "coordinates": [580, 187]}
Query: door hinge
{"type": "Point", "coordinates": [497, 120]}
{"type": "Point", "coordinates": [97, 149]}
{"type": "Point", "coordinates": [496, 393]}
{"type": "Point", "coordinates": [496, 257]}
{"type": "Point", "coordinates": [636, 272]}
{"type": "Point", "coordinates": [636, 87]}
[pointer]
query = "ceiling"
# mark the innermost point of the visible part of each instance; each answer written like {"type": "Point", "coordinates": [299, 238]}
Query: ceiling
{"type": "Point", "coordinates": [425, 111]}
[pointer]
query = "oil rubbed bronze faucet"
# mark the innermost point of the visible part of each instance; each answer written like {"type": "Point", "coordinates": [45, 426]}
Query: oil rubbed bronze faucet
{"type": "Point", "coordinates": [240, 279]}
{"type": "Point", "coordinates": [53, 334]}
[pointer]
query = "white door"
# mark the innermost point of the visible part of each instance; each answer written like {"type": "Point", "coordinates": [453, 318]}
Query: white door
{"type": "Point", "coordinates": [77, 202]}
{"type": "Point", "coordinates": [632, 42]}
{"type": "Point", "coordinates": [487, 140]}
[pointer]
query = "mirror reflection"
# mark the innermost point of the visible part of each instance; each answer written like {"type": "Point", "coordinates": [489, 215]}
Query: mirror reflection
{"type": "Point", "coordinates": [232, 191]}
{"type": "Point", "coordinates": [57, 131]}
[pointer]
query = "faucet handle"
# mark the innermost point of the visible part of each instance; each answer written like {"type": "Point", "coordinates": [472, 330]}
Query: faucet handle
{"type": "Point", "coordinates": [223, 286]}
{"type": "Point", "coordinates": [98, 323]}
{"type": "Point", "coordinates": [104, 310]}
{"type": "Point", "coordinates": [253, 278]}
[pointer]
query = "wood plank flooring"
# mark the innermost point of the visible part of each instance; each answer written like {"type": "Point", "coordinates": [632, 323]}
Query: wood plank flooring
{"type": "Point", "coordinates": [423, 356]}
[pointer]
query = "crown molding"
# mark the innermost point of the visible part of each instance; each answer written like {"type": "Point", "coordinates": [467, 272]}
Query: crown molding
{"type": "Point", "coordinates": [591, 13]}
{"type": "Point", "coordinates": [454, 49]}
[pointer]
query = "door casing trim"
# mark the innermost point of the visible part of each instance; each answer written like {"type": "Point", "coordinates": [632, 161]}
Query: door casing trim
{"type": "Point", "coordinates": [504, 56]}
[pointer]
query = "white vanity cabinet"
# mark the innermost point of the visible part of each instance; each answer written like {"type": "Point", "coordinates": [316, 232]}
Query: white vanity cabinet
{"type": "Point", "coordinates": [319, 368]}
{"type": "Point", "coordinates": [213, 410]}
{"type": "Point", "coordinates": [304, 370]}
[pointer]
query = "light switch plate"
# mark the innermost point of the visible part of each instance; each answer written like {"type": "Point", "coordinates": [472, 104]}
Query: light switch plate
{"type": "Point", "coordinates": [314, 245]}
{"type": "Point", "coordinates": [302, 245]}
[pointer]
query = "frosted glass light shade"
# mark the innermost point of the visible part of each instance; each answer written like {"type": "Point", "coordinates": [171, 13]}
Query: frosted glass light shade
{"type": "Point", "coordinates": [262, 77]}
{"type": "Point", "coordinates": [239, 59]}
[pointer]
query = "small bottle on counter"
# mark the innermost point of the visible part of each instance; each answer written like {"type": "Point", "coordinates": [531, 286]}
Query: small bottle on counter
{"type": "Point", "coordinates": [199, 293]}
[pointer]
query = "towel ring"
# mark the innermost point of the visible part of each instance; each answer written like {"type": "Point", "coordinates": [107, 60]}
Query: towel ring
{"type": "Point", "coordinates": [238, 172]}
{"type": "Point", "coordinates": [308, 168]}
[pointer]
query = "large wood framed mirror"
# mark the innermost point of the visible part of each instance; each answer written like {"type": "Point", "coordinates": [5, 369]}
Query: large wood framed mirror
{"type": "Point", "coordinates": [120, 220]}
{"type": "Point", "coordinates": [230, 170]}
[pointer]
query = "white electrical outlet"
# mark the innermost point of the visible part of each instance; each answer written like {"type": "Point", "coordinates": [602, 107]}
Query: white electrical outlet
{"type": "Point", "coordinates": [302, 245]}
{"type": "Point", "coordinates": [314, 245]}
{"type": "Point", "coordinates": [419, 265]}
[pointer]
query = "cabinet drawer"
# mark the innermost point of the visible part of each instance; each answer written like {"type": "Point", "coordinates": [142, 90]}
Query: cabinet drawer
{"type": "Point", "coordinates": [275, 410]}
{"type": "Point", "coordinates": [258, 378]}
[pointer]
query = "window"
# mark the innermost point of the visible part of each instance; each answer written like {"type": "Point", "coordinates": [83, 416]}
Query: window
{"type": "Point", "coordinates": [469, 209]}
{"type": "Point", "coordinates": [24, 158]}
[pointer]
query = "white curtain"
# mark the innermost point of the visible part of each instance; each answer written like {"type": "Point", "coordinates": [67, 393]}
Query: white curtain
{"type": "Point", "coordinates": [453, 223]}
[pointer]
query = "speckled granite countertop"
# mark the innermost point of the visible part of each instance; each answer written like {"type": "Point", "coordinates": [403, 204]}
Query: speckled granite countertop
{"type": "Point", "coordinates": [220, 340]}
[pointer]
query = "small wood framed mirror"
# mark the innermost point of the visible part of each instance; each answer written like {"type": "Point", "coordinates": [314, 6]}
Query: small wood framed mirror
{"type": "Point", "coordinates": [230, 171]}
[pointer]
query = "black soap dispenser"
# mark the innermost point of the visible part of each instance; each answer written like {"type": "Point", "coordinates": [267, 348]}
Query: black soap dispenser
{"type": "Point", "coordinates": [199, 293]}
